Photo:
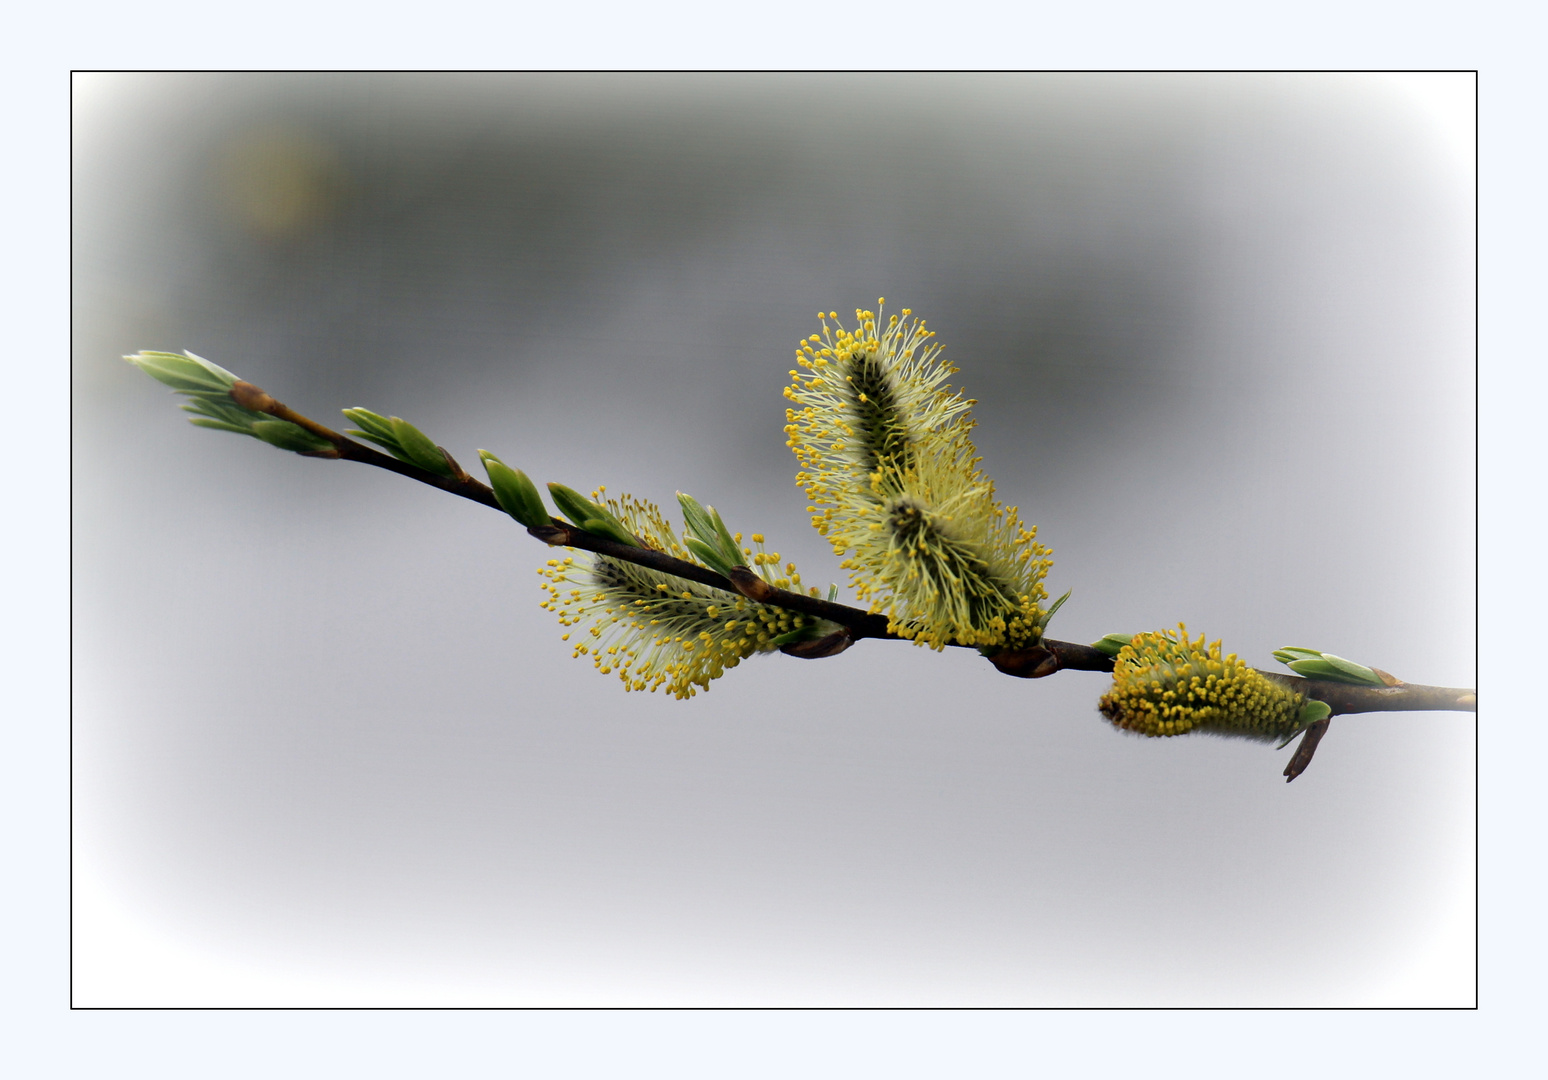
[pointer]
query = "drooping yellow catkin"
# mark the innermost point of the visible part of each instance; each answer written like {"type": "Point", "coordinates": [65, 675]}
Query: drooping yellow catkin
{"type": "Point", "coordinates": [654, 629]}
{"type": "Point", "coordinates": [891, 472]}
{"type": "Point", "coordinates": [1165, 684]}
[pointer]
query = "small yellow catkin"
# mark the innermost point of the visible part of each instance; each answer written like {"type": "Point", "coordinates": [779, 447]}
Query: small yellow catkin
{"type": "Point", "coordinates": [1164, 684]}
{"type": "Point", "coordinates": [654, 629]}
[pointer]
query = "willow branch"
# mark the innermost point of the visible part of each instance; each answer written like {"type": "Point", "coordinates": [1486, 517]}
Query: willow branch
{"type": "Point", "coordinates": [1039, 661]}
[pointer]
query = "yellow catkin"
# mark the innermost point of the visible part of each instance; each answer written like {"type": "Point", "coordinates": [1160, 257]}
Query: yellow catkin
{"type": "Point", "coordinates": [891, 472]}
{"type": "Point", "coordinates": [1165, 684]}
{"type": "Point", "coordinates": [653, 629]}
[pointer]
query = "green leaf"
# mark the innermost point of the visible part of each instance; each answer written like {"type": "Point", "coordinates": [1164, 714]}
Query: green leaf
{"type": "Point", "coordinates": [517, 495]}
{"type": "Point", "coordinates": [1057, 604]}
{"type": "Point", "coordinates": [287, 436]}
{"type": "Point", "coordinates": [417, 447]}
{"type": "Point", "coordinates": [1295, 652]}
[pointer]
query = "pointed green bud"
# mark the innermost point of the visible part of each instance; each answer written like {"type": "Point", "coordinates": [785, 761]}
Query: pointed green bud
{"type": "Point", "coordinates": [706, 526]}
{"type": "Point", "coordinates": [220, 425]}
{"type": "Point", "coordinates": [517, 495]}
{"type": "Point", "coordinates": [287, 436]}
{"type": "Point", "coordinates": [572, 504]}
{"type": "Point", "coordinates": [707, 555]}
{"type": "Point", "coordinates": [696, 518]}
{"type": "Point", "coordinates": [184, 372]}
{"type": "Point", "coordinates": [1112, 644]}
{"type": "Point", "coordinates": [589, 516]}
{"type": "Point", "coordinates": [725, 541]}
{"type": "Point", "coordinates": [1320, 665]}
{"type": "Point", "coordinates": [609, 526]}
{"type": "Point", "coordinates": [374, 427]}
{"type": "Point", "coordinates": [1315, 669]}
{"type": "Point", "coordinates": [417, 447]}
{"type": "Point", "coordinates": [1295, 652]}
{"type": "Point", "coordinates": [1353, 670]}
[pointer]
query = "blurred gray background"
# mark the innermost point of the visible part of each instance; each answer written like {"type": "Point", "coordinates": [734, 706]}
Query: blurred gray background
{"type": "Point", "coordinates": [327, 749]}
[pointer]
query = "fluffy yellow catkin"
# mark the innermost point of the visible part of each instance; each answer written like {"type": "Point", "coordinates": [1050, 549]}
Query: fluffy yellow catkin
{"type": "Point", "coordinates": [1165, 684]}
{"type": "Point", "coordinates": [891, 472]}
{"type": "Point", "coordinates": [654, 629]}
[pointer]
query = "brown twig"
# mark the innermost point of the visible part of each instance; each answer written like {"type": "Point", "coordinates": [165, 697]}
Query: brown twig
{"type": "Point", "coordinates": [251, 397]}
{"type": "Point", "coordinates": [1345, 698]}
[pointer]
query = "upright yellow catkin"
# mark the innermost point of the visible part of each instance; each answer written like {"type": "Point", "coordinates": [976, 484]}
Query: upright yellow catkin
{"type": "Point", "coordinates": [891, 472]}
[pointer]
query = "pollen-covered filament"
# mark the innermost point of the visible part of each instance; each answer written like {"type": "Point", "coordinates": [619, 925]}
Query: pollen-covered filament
{"type": "Point", "coordinates": [892, 476]}
{"type": "Point", "coordinates": [1164, 684]}
{"type": "Point", "coordinates": [653, 629]}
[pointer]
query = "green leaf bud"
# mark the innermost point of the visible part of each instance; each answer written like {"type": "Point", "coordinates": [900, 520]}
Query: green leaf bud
{"type": "Point", "coordinates": [516, 494]}
{"type": "Point", "coordinates": [1112, 643]}
{"type": "Point", "coordinates": [696, 518]}
{"type": "Point", "coordinates": [1321, 665]}
{"type": "Point", "coordinates": [709, 556]}
{"type": "Point", "coordinates": [588, 515]}
{"type": "Point", "coordinates": [572, 504]}
{"type": "Point", "coordinates": [287, 436]}
{"type": "Point", "coordinates": [375, 427]}
{"type": "Point", "coordinates": [220, 425]}
{"type": "Point", "coordinates": [725, 541]}
{"type": "Point", "coordinates": [1353, 670]}
{"type": "Point", "coordinates": [418, 449]}
{"type": "Point", "coordinates": [184, 372]}
{"type": "Point", "coordinates": [607, 525]}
